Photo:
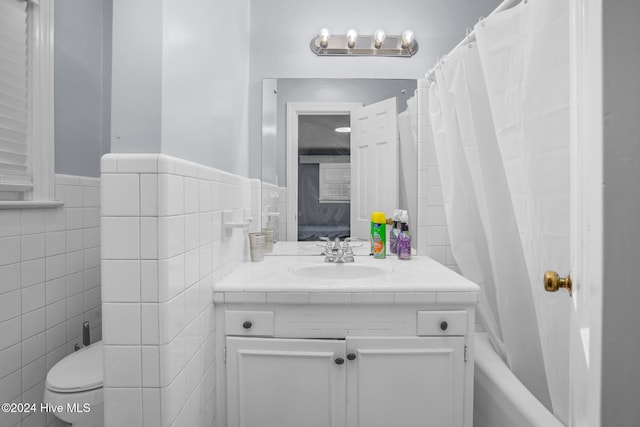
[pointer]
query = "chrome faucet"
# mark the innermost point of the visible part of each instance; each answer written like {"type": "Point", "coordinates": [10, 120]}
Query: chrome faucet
{"type": "Point", "coordinates": [336, 251]}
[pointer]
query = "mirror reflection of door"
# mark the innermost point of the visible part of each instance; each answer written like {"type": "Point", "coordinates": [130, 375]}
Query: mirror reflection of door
{"type": "Point", "coordinates": [374, 164]}
{"type": "Point", "coordinates": [324, 177]}
{"type": "Point", "coordinates": [344, 176]}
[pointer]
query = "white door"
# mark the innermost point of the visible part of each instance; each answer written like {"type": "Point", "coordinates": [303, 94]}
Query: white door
{"type": "Point", "coordinates": [408, 382]}
{"type": "Point", "coordinates": [585, 344]}
{"type": "Point", "coordinates": [285, 382]}
{"type": "Point", "coordinates": [294, 110]}
{"type": "Point", "coordinates": [374, 163]}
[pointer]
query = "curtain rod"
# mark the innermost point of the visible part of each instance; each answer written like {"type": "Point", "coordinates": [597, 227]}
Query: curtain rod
{"type": "Point", "coordinates": [471, 36]}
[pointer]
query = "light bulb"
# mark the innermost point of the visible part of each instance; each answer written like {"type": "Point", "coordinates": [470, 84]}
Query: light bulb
{"type": "Point", "coordinates": [323, 37]}
{"type": "Point", "coordinates": [407, 38]}
{"type": "Point", "coordinates": [352, 36]}
{"type": "Point", "coordinates": [378, 38]}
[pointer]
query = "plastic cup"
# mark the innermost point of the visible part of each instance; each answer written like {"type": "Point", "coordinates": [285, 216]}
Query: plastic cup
{"type": "Point", "coordinates": [256, 246]}
{"type": "Point", "coordinates": [268, 240]}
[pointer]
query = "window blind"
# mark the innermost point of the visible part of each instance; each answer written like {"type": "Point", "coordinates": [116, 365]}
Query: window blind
{"type": "Point", "coordinates": [335, 182]}
{"type": "Point", "coordinates": [14, 148]}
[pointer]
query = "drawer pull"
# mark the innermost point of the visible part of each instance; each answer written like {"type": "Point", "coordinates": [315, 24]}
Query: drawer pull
{"type": "Point", "coordinates": [442, 322]}
{"type": "Point", "coordinates": [247, 325]}
{"type": "Point", "coordinates": [339, 361]}
{"type": "Point", "coordinates": [351, 356]}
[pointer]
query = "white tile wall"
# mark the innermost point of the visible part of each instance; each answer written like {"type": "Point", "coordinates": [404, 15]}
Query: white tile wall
{"type": "Point", "coordinates": [433, 235]}
{"type": "Point", "coordinates": [162, 252]}
{"type": "Point", "coordinates": [49, 285]}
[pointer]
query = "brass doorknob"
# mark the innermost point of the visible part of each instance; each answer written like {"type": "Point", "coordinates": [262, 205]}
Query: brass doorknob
{"type": "Point", "coordinates": [553, 282]}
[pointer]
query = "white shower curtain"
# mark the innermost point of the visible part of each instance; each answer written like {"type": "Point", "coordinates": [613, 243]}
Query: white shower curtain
{"type": "Point", "coordinates": [408, 170]}
{"type": "Point", "coordinates": [500, 116]}
{"type": "Point", "coordinates": [484, 237]}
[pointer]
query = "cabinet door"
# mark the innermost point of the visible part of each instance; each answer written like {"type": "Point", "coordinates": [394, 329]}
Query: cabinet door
{"type": "Point", "coordinates": [406, 382]}
{"type": "Point", "coordinates": [285, 382]}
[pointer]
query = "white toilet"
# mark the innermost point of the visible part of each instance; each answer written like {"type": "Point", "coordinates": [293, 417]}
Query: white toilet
{"type": "Point", "coordinates": [75, 385]}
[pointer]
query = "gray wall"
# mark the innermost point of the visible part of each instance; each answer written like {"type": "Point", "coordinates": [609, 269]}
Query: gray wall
{"type": "Point", "coordinates": [621, 202]}
{"type": "Point", "coordinates": [282, 29]}
{"type": "Point", "coordinates": [82, 85]}
{"type": "Point", "coordinates": [175, 91]}
{"type": "Point", "coordinates": [174, 97]}
{"type": "Point", "coordinates": [205, 77]}
{"type": "Point", "coordinates": [136, 95]}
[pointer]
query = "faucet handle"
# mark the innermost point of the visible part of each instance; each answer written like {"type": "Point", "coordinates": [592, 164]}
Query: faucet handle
{"type": "Point", "coordinates": [348, 249]}
{"type": "Point", "coordinates": [349, 241]}
{"type": "Point", "coordinates": [327, 241]}
{"type": "Point", "coordinates": [346, 246]}
{"type": "Point", "coordinates": [327, 245]}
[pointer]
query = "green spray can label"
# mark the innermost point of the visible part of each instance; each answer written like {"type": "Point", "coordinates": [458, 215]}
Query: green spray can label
{"type": "Point", "coordinates": [378, 240]}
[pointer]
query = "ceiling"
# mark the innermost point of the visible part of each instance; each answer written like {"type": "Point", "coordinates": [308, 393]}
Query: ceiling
{"type": "Point", "coordinates": [317, 132]}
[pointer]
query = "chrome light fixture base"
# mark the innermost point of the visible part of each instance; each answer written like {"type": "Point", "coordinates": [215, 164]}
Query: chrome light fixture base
{"type": "Point", "coordinates": [338, 45]}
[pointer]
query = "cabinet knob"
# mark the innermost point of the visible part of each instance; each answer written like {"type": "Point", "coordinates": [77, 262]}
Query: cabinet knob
{"type": "Point", "coordinates": [247, 325]}
{"type": "Point", "coordinates": [351, 356]}
{"type": "Point", "coordinates": [339, 361]}
{"type": "Point", "coordinates": [444, 326]}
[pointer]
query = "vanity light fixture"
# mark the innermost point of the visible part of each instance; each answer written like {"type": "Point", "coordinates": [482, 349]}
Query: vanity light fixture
{"type": "Point", "coordinates": [378, 39]}
{"type": "Point", "coordinates": [407, 38]}
{"type": "Point", "coordinates": [352, 37]}
{"type": "Point", "coordinates": [353, 44]}
{"type": "Point", "coordinates": [323, 37]}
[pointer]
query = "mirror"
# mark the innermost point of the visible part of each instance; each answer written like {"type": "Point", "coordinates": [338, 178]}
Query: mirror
{"type": "Point", "coordinates": [323, 151]}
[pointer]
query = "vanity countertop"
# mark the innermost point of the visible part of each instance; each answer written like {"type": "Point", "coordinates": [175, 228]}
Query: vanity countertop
{"type": "Point", "coordinates": [420, 279]}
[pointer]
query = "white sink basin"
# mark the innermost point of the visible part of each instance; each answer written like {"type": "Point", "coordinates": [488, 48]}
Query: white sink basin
{"type": "Point", "coordinates": [347, 271]}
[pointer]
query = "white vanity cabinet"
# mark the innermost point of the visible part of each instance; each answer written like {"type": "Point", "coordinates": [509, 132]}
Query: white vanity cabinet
{"type": "Point", "coordinates": [330, 365]}
{"type": "Point", "coordinates": [285, 382]}
{"type": "Point", "coordinates": [372, 382]}
{"type": "Point", "coordinates": [398, 381]}
{"type": "Point", "coordinates": [393, 349]}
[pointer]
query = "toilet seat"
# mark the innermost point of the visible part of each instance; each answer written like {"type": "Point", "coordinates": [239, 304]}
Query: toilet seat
{"type": "Point", "coordinates": [75, 382]}
{"type": "Point", "coordinates": [78, 372]}
{"type": "Point", "coordinates": [93, 397]}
